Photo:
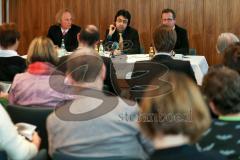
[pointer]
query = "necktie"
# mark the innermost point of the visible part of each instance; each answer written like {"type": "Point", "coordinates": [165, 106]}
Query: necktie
{"type": "Point", "coordinates": [120, 41]}
{"type": "Point", "coordinates": [64, 32]}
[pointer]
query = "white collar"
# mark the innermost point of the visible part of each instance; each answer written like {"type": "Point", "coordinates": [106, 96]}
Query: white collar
{"type": "Point", "coordinates": [162, 53]}
{"type": "Point", "coordinates": [168, 141]}
{"type": "Point", "coordinates": [64, 30]}
{"type": "Point", "coordinates": [8, 53]}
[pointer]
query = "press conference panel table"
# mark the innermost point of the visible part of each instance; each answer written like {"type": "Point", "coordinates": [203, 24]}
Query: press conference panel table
{"type": "Point", "coordinates": [124, 64]}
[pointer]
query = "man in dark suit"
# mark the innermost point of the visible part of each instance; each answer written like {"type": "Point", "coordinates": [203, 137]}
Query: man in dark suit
{"type": "Point", "coordinates": [89, 37]}
{"type": "Point", "coordinates": [164, 38]}
{"type": "Point", "coordinates": [169, 18]}
{"type": "Point", "coordinates": [121, 32]}
{"type": "Point", "coordinates": [64, 30]}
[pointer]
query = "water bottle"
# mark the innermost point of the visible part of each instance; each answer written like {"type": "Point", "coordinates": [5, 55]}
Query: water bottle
{"type": "Point", "coordinates": [101, 49]}
{"type": "Point", "coordinates": [151, 51]}
{"type": "Point", "coordinates": [63, 49]}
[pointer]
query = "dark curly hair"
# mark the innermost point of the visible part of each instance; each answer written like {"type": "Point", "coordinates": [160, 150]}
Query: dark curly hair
{"type": "Point", "coordinates": [123, 13]}
{"type": "Point", "coordinates": [222, 87]}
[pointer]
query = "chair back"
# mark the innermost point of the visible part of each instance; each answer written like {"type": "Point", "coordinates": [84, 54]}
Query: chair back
{"type": "Point", "coordinates": [35, 115]}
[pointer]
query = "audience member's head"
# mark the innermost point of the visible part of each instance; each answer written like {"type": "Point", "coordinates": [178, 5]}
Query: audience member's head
{"type": "Point", "coordinates": [42, 49]}
{"type": "Point", "coordinates": [168, 17]}
{"type": "Point", "coordinates": [64, 18]}
{"type": "Point", "coordinates": [164, 38]}
{"type": "Point", "coordinates": [224, 40]}
{"type": "Point", "coordinates": [231, 56]}
{"type": "Point", "coordinates": [89, 36]}
{"type": "Point", "coordinates": [222, 89]}
{"type": "Point", "coordinates": [85, 68]}
{"type": "Point", "coordinates": [122, 20]}
{"type": "Point", "coordinates": [181, 111]}
{"type": "Point", "coordinates": [9, 36]}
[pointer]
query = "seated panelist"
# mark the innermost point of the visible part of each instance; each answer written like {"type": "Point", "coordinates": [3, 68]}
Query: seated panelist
{"type": "Point", "coordinates": [120, 32]}
{"type": "Point", "coordinates": [64, 30]}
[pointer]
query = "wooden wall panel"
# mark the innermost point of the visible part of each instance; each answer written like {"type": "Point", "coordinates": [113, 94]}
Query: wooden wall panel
{"type": "Point", "coordinates": [204, 19]}
{"type": "Point", "coordinates": [188, 15]}
{"type": "Point", "coordinates": [219, 16]}
{"type": "Point", "coordinates": [3, 8]}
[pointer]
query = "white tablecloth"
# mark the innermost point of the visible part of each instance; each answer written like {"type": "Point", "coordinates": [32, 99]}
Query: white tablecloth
{"type": "Point", "coordinates": [124, 65]}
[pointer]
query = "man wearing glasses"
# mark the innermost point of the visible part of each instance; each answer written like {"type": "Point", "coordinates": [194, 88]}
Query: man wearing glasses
{"type": "Point", "coordinates": [169, 18]}
{"type": "Point", "coordinates": [120, 32]}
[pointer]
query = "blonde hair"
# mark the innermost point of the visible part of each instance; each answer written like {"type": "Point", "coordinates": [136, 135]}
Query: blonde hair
{"type": "Point", "coordinates": [60, 14]}
{"type": "Point", "coordinates": [42, 49]}
{"type": "Point", "coordinates": [182, 110]}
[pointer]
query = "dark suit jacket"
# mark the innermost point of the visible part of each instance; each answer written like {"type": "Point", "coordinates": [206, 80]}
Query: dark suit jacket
{"type": "Point", "coordinates": [184, 152]}
{"type": "Point", "coordinates": [70, 38]}
{"type": "Point", "coordinates": [10, 66]}
{"type": "Point", "coordinates": [130, 34]}
{"type": "Point", "coordinates": [175, 65]}
{"type": "Point", "coordinates": [110, 82]}
{"type": "Point", "coordinates": [181, 46]}
{"type": "Point", "coordinates": [145, 71]}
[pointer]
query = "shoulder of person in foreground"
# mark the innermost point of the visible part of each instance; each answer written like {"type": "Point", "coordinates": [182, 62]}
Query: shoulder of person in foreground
{"type": "Point", "coordinates": [10, 140]}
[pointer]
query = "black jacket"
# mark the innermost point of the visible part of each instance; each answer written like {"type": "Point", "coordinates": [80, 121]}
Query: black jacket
{"type": "Point", "coordinates": [10, 66]}
{"type": "Point", "coordinates": [181, 46]}
{"type": "Point", "coordinates": [129, 35]}
{"type": "Point", "coordinates": [70, 38]}
{"type": "Point", "coordinates": [185, 152]}
{"type": "Point", "coordinates": [175, 65]}
{"type": "Point", "coordinates": [110, 82]}
{"type": "Point", "coordinates": [145, 71]}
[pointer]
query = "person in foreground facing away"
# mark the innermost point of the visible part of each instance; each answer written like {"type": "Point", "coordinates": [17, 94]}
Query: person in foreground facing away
{"type": "Point", "coordinates": [224, 40]}
{"type": "Point", "coordinates": [64, 29]}
{"type": "Point", "coordinates": [105, 132]}
{"type": "Point", "coordinates": [179, 117]}
{"type": "Point", "coordinates": [164, 39]}
{"type": "Point", "coordinates": [10, 62]}
{"type": "Point", "coordinates": [89, 37]}
{"type": "Point", "coordinates": [169, 18]}
{"type": "Point", "coordinates": [121, 32]}
{"type": "Point", "coordinates": [15, 145]}
{"type": "Point", "coordinates": [221, 86]}
{"type": "Point", "coordinates": [231, 56]}
{"type": "Point", "coordinates": [33, 86]}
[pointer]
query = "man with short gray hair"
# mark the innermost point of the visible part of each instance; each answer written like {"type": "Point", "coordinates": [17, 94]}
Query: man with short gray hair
{"type": "Point", "coordinates": [224, 40]}
{"type": "Point", "coordinates": [94, 124]}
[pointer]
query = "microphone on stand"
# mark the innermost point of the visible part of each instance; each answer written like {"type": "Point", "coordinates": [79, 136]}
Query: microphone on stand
{"type": "Point", "coordinates": [114, 46]}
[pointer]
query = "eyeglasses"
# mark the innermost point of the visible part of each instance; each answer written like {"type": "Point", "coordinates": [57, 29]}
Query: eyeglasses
{"type": "Point", "coordinates": [125, 21]}
{"type": "Point", "coordinates": [168, 19]}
